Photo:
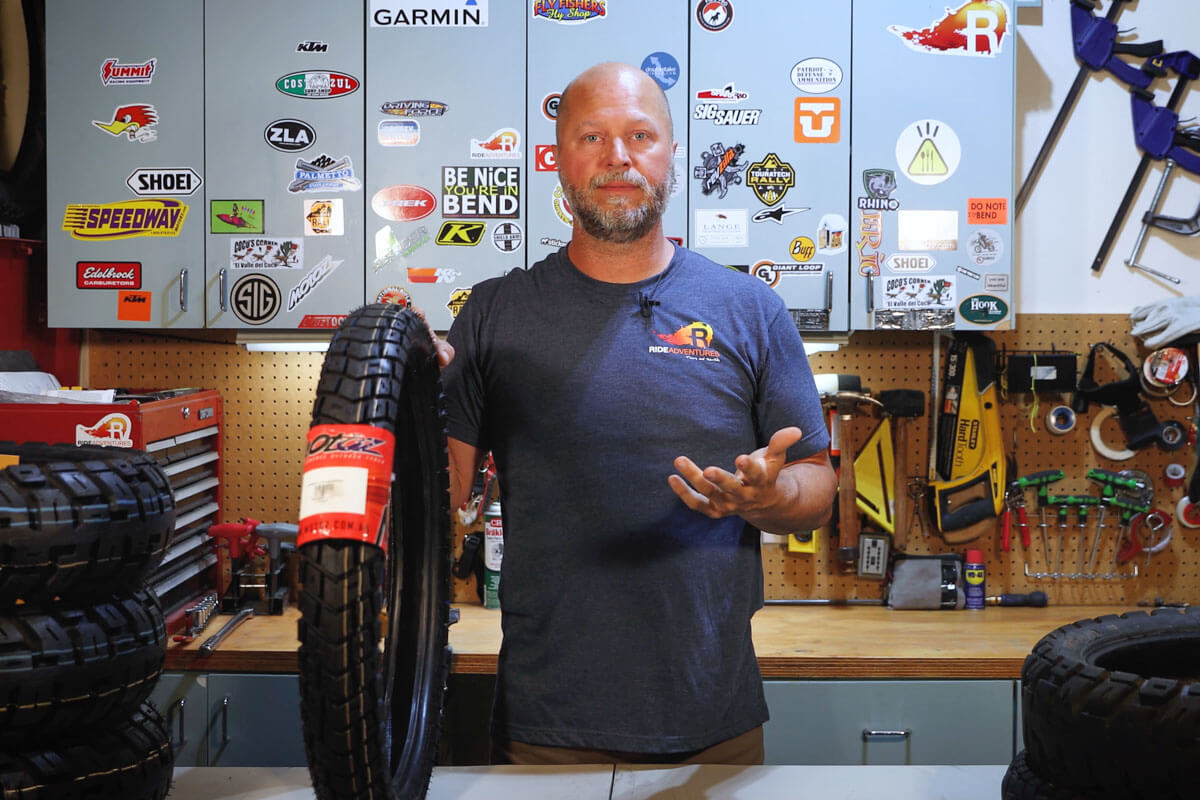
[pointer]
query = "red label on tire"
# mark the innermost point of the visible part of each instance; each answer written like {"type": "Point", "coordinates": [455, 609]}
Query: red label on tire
{"type": "Point", "coordinates": [347, 484]}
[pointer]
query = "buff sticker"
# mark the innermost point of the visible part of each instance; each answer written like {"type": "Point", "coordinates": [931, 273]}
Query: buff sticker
{"type": "Point", "coordinates": [918, 293]}
{"type": "Point", "coordinates": [262, 253]}
{"type": "Point", "coordinates": [156, 216]}
{"type": "Point", "coordinates": [346, 485]}
{"type": "Point", "coordinates": [134, 306]}
{"type": "Point", "coordinates": [324, 218]}
{"type": "Point", "coordinates": [235, 216]}
{"type": "Point", "coordinates": [977, 28]}
{"type": "Point", "coordinates": [111, 430]}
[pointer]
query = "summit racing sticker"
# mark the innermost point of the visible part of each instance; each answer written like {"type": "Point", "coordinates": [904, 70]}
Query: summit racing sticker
{"type": "Point", "coordinates": [111, 430]}
{"type": "Point", "coordinates": [157, 216]}
{"type": "Point", "coordinates": [114, 73]}
{"type": "Point", "coordinates": [346, 486]}
{"type": "Point", "coordinates": [570, 12]}
{"type": "Point", "coordinates": [324, 174]}
{"type": "Point", "coordinates": [693, 341]}
{"type": "Point", "coordinates": [317, 85]}
{"type": "Point", "coordinates": [977, 28]}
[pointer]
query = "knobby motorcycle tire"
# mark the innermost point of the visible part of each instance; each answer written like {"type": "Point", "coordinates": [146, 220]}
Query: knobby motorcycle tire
{"type": "Point", "coordinates": [1111, 705]}
{"type": "Point", "coordinates": [1022, 783]}
{"type": "Point", "coordinates": [66, 669]}
{"type": "Point", "coordinates": [130, 761]}
{"type": "Point", "coordinates": [80, 523]}
{"type": "Point", "coordinates": [372, 715]}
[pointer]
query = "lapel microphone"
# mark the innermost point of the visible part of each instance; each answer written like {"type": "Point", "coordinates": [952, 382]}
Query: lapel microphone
{"type": "Point", "coordinates": [646, 305]}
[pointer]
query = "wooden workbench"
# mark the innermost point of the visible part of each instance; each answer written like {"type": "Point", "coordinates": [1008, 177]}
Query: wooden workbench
{"type": "Point", "coordinates": [791, 641]}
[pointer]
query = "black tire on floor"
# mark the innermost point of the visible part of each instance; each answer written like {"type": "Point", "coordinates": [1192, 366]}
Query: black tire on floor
{"type": "Point", "coordinates": [1022, 783]}
{"type": "Point", "coordinates": [1112, 704]}
{"type": "Point", "coordinates": [65, 669]}
{"type": "Point", "coordinates": [372, 716]}
{"type": "Point", "coordinates": [130, 761]}
{"type": "Point", "coordinates": [80, 523]}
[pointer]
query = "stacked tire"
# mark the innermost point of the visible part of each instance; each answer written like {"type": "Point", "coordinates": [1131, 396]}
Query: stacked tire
{"type": "Point", "coordinates": [82, 638]}
{"type": "Point", "coordinates": [1111, 710]}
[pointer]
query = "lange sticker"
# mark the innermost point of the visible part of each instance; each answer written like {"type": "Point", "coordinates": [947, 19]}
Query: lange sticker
{"type": "Point", "coordinates": [722, 227]}
{"type": "Point", "coordinates": [346, 486]}
{"type": "Point", "coordinates": [111, 430]}
{"type": "Point", "coordinates": [928, 151]}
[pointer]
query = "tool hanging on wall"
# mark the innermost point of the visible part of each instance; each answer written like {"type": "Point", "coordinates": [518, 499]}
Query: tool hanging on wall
{"type": "Point", "coordinates": [1123, 398]}
{"type": "Point", "coordinates": [882, 469]}
{"type": "Point", "coordinates": [249, 586]}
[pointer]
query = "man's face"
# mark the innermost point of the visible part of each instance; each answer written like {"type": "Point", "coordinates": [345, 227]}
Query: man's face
{"type": "Point", "coordinates": [614, 157]}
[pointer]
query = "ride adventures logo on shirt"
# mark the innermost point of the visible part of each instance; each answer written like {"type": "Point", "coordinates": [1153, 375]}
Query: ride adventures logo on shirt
{"type": "Point", "coordinates": [694, 340]}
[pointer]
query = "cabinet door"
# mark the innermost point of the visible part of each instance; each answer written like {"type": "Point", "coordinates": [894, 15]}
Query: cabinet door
{"type": "Point", "coordinates": [254, 721]}
{"type": "Point", "coordinates": [181, 698]}
{"type": "Point", "coordinates": [889, 722]}
{"type": "Point", "coordinates": [124, 134]}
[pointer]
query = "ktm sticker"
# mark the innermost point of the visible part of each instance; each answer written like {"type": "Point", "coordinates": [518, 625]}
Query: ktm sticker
{"type": "Point", "coordinates": [346, 487]}
{"type": "Point", "coordinates": [134, 306]}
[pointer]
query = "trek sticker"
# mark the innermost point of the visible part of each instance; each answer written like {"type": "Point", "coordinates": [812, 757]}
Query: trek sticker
{"type": "Point", "coordinates": [983, 309]}
{"type": "Point", "coordinates": [136, 121]}
{"type": "Point", "coordinates": [870, 236]}
{"type": "Point", "coordinates": [114, 73]}
{"type": "Point", "coordinates": [323, 218]}
{"type": "Point", "coordinates": [433, 275]}
{"type": "Point", "coordinates": [726, 116]}
{"type": "Point", "coordinates": [317, 85]}
{"type": "Point", "coordinates": [460, 234]}
{"type": "Point", "coordinates": [817, 75]}
{"type": "Point", "coordinates": [134, 306]}
{"type": "Point", "coordinates": [235, 216]}
{"type": "Point", "coordinates": [987, 210]}
{"type": "Point", "coordinates": [458, 299]}
{"type": "Point", "coordinates": [817, 120]}
{"type": "Point", "coordinates": [722, 227]}
{"type": "Point", "coordinates": [918, 293]}
{"type": "Point", "coordinates": [777, 214]}
{"type": "Point", "coordinates": [720, 168]}
{"type": "Point", "coordinates": [507, 237]}
{"type": "Point", "coordinates": [266, 253]}
{"type": "Point", "coordinates": [398, 132]}
{"type": "Point", "coordinates": [985, 247]}
{"type": "Point", "coordinates": [977, 28]}
{"type": "Point", "coordinates": [394, 296]}
{"type": "Point", "coordinates": [770, 179]}
{"type": "Point", "coordinates": [322, 321]}
{"type": "Point", "coordinates": [429, 13]}
{"type": "Point", "coordinates": [714, 15]}
{"type": "Point", "coordinates": [545, 158]}
{"type": "Point", "coordinates": [311, 280]}
{"type": "Point", "coordinates": [324, 174]}
{"type": "Point", "coordinates": [290, 135]}
{"type": "Point", "coordinates": [108, 274]}
{"type": "Point", "coordinates": [879, 185]}
{"type": "Point", "coordinates": [726, 94]}
{"type": "Point", "coordinates": [769, 272]}
{"type": "Point", "coordinates": [911, 262]}
{"type": "Point", "coordinates": [111, 430]}
{"type": "Point", "coordinates": [570, 12]}
{"type": "Point", "coordinates": [802, 248]}
{"type": "Point", "coordinates": [996, 282]}
{"type": "Point", "coordinates": [176, 181]}
{"type": "Point", "coordinates": [970, 273]}
{"type": "Point", "coordinates": [473, 191]}
{"type": "Point", "coordinates": [928, 151]}
{"type": "Point", "coordinates": [663, 68]}
{"type": "Point", "coordinates": [404, 202]}
{"type": "Point", "coordinates": [503, 143]}
{"type": "Point", "coordinates": [102, 222]}
{"type": "Point", "coordinates": [831, 234]}
{"type": "Point", "coordinates": [923, 229]}
{"type": "Point", "coordinates": [346, 484]}
{"type": "Point", "coordinates": [562, 209]}
{"type": "Point", "coordinates": [550, 105]}
{"type": "Point", "coordinates": [413, 108]}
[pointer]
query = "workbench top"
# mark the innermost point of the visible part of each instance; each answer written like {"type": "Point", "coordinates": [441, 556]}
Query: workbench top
{"type": "Point", "coordinates": [791, 641]}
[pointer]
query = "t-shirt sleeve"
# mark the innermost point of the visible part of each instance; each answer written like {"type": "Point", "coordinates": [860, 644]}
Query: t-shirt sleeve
{"type": "Point", "coordinates": [787, 394]}
{"type": "Point", "coordinates": [462, 379]}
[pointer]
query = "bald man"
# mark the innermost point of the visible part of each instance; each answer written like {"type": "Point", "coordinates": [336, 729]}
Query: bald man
{"type": "Point", "coordinates": [601, 379]}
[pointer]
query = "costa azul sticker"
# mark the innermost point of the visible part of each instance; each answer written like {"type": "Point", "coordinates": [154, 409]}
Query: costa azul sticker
{"type": "Point", "coordinates": [726, 94]}
{"type": "Point", "coordinates": [108, 274]}
{"type": "Point", "coordinates": [507, 237]}
{"type": "Point", "coordinates": [311, 280]}
{"type": "Point", "coordinates": [481, 192]}
{"type": "Point", "coordinates": [136, 122]}
{"type": "Point", "coordinates": [324, 218]}
{"type": "Point", "coordinates": [265, 253]}
{"type": "Point", "coordinates": [985, 246]}
{"type": "Point", "coordinates": [395, 296]}
{"type": "Point", "coordinates": [153, 216]}
{"type": "Point", "coordinates": [404, 202]}
{"type": "Point", "coordinates": [235, 216]}
{"type": "Point", "coordinates": [983, 309]}
{"type": "Point", "coordinates": [724, 227]}
{"type": "Point", "coordinates": [928, 151]}
{"type": "Point", "coordinates": [429, 14]}
{"type": "Point", "coordinates": [317, 85]}
{"type": "Point", "coordinates": [290, 135]}
{"type": "Point", "coordinates": [503, 143]}
{"type": "Point", "coordinates": [719, 115]}
{"type": "Point", "coordinates": [458, 299]}
{"type": "Point", "coordinates": [770, 179]}
{"type": "Point", "coordinates": [977, 28]}
{"type": "Point", "coordinates": [879, 185]}
{"type": "Point", "coordinates": [433, 275]}
{"type": "Point", "coordinates": [714, 15]}
{"type": "Point", "coordinates": [918, 293]}
{"type": "Point", "coordinates": [719, 168]}
{"type": "Point", "coordinates": [115, 73]}
{"type": "Point", "coordinates": [175, 181]}
{"type": "Point", "coordinates": [770, 272]}
{"type": "Point", "coordinates": [663, 68]}
{"type": "Point", "coordinates": [831, 234]}
{"type": "Point", "coordinates": [413, 108]}
{"type": "Point", "coordinates": [134, 306]}
{"type": "Point", "coordinates": [911, 262]}
{"type": "Point", "coordinates": [254, 299]}
{"type": "Point", "coordinates": [694, 341]}
{"type": "Point", "coordinates": [562, 209]}
{"type": "Point", "coordinates": [570, 12]}
{"type": "Point", "coordinates": [111, 430]}
{"type": "Point", "coordinates": [345, 489]}
{"type": "Point", "coordinates": [324, 174]}
{"type": "Point", "coordinates": [398, 132]}
{"type": "Point", "coordinates": [803, 248]}
{"type": "Point", "coordinates": [816, 75]}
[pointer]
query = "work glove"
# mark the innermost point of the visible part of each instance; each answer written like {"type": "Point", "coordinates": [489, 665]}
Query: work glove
{"type": "Point", "coordinates": [1157, 324]}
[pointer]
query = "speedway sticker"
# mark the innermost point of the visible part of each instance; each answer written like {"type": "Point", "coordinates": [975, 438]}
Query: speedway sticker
{"type": "Point", "coordinates": [345, 490]}
{"type": "Point", "coordinates": [111, 430]}
{"type": "Point", "coordinates": [921, 292]}
{"type": "Point", "coordinates": [102, 222]}
{"type": "Point", "coordinates": [262, 253]}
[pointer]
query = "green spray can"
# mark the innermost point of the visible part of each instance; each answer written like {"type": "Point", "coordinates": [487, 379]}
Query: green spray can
{"type": "Point", "coordinates": [493, 554]}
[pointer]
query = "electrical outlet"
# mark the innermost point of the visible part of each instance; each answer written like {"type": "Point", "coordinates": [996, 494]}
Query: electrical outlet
{"type": "Point", "coordinates": [873, 555]}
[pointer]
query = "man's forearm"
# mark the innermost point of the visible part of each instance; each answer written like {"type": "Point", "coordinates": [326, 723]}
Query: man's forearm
{"type": "Point", "coordinates": [805, 495]}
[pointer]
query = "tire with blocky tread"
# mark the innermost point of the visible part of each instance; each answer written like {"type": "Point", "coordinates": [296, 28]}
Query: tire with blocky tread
{"type": "Point", "coordinates": [80, 523]}
{"type": "Point", "coordinates": [63, 669]}
{"type": "Point", "coordinates": [371, 715]}
{"type": "Point", "coordinates": [1111, 705]}
{"type": "Point", "coordinates": [1022, 783]}
{"type": "Point", "coordinates": [132, 760]}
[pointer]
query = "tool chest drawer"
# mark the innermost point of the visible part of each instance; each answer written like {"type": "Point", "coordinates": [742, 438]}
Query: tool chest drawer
{"type": "Point", "coordinates": [890, 722]}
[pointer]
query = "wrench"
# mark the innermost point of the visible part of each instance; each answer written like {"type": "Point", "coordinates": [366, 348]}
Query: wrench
{"type": "Point", "coordinates": [210, 644]}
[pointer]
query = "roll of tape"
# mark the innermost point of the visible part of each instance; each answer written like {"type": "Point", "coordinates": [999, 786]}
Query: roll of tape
{"type": "Point", "coordinates": [1174, 474]}
{"type": "Point", "coordinates": [1108, 452]}
{"type": "Point", "coordinates": [1188, 513]}
{"type": "Point", "coordinates": [1060, 420]}
{"type": "Point", "coordinates": [1167, 366]}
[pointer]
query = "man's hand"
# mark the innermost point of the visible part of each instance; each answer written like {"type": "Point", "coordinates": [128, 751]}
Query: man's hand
{"type": "Point", "coordinates": [444, 350]}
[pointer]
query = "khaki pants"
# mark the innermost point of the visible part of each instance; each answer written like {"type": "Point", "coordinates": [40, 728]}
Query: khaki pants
{"type": "Point", "coordinates": [744, 749]}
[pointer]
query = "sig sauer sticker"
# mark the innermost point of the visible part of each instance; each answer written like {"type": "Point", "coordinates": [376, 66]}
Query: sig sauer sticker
{"type": "Point", "coordinates": [254, 299]}
{"type": "Point", "coordinates": [983, 309]}
{"type": "Point", "coordinates": [317, 85]}
{"type": "Point", "coordinates": [726, 116]}
{"type": "Point", "coordinates": [770, 179]}
{"type": "Point", "coordinates": [235, 216]}
{"type": "Point", "coordinates": [570, 12]}
{"type": "Point", "coordinates": [976, 28]}
{"type": "Point", "coordinates": [137, 122]}
{"type": "Point", "coordinates": [720, 169]}
{"type": "Point", "coordinates": [263, 253]}
{"type": "Point", "coordinates": [320, 271]}
{"type": "Point", "coordinates": [918, 293]}
{"type": "Point", "coordinates": [325, 174]}
{"type": "Point", "coordinates": [152, 216]}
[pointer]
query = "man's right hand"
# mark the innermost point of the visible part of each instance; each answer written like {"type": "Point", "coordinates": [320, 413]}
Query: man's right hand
{"type": "Point", "coordinates": [444, 350]}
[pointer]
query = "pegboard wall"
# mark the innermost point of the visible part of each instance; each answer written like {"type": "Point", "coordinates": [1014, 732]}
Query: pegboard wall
{"type": "Point", "coordinates": [268, 399]}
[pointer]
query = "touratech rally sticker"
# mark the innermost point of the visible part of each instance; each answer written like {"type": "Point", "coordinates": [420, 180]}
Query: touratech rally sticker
{"type": "Point", "coordinates": [157, 216]}
{"type": "Point", "coordinates": [346, 487]}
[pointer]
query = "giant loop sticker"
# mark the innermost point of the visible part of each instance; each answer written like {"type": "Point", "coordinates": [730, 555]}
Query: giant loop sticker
{"type": "Point", "coordinates": [346, 486]}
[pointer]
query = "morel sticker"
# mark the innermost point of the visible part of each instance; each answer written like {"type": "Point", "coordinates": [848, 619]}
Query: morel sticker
{"type": "Point", "coordinates": [317, 85]}
{"type": "Point", "coordinates": [983, 309]}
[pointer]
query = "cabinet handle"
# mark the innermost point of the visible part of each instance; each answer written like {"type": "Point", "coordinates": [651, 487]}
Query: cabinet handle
{"type": "Point", "coordinates": [870, 294]}
{"type": "Point", "coordinates": [225, 719]}
{"type": "Point", "coordinates": [183, 290]}
{"type": "Point", "coordinates": [868, 734]}
{"type": "Point", "coordinates": [221, 290]}
{"type": "Point", "coordinates": [182, 728]}
{"type": "Point", "coordinates": [829, 291]}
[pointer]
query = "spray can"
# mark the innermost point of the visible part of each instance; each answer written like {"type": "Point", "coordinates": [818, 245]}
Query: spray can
{"type": "Point", "coordinates": [493, 554]}
{"type": "Point", "coordinates": [974, 574]}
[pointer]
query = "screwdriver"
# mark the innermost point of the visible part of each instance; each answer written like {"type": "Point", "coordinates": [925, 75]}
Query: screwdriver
{"type": "Point", "coordinates": [1037, 599]}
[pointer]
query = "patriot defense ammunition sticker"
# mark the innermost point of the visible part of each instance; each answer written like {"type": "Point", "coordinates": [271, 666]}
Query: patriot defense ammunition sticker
{"type": "Point", "coordinates": [312, 279]}
{"type": "Point", "coordinates": [928, 151]}
{"type": "Point", "coordinates": [726, 116]}
{"type": "Point", "coordinates": [174, 181]}
{"type": "Point", "coordinates": [324, 174]}
{"type": "Point", "coordinates": [235, 216]}
{"type": "Point", "coordinates": [570, 12]}
{"type": "Point", "coordinates": [769, 272]}
{"type": "Point", "coordinates": [134, 306]}
{"type": "Point", "coordinates": [870, 236]}
{"type": "Point", "coordinates": [103, 222]}
{"type": "Point", "coordinates": [254, 299]}
{"type": "Point", "coordinates": [503, 143]}
{"type": "Point", "coordinates": [413, 108]}
{"type": "Point", "coordinates": [985, 247]}
{"type": "Point", "coordinates": [345, 485]}
{"type": "Point", "coordinates": [976, 28]}
{"type": "Point", "coordinates": [722, 227]}
{"type": "Point", "coordinates": [778, 213]}
{"type": "Point", "coordinates": [911, 262]}
{"type": "Point", "coordinates": [323, 218]}
{"type": "Point", "coordinates": [475, 191]}
{"type": "Point", "coordinates": [507, 237]}
{"type": "Point", "coordinates": [136, 121]}
{"type": "Point", "coordinates": [726, 94]}
{"type": "Point", "coordinates": [714, 15]}
{"type": "Point", "coordinates": [114, 73]}
{"type": "Point", "coordinates": [312, 46]}
{"type": "Point", "coordinates": [398, 132]}
{"type": "Point", "coordinates": [562, 209]}
{"type": "Point", "coordinates": [816, 75]}
{"type": "Point", "coordinates": [429, 13]}
{"type": "Point", "coordinates": [970, 273]}
{"type": "Point", "coordinates": [327, 321]}
{"type": "Point", "coordinates": [317, 85]}
{"type": "Point", "coordinates": [550, 105]}
{"type": "Point", "coordinates": [458, 299]}
{"type": "Point", "coordinates": [719, 168]}
{"type": "Point", "coordinates": [404, 202]}
{"type": "Point", "coordinates": [817, 120]}
{"type": "Point", "coordinates": [879, 185]}
{"type": "Point", "coordinates": [290, 135]}
{"type": "Point", "coordinates": [111, 430]}
{"type": "Point", "coordinates": [996, 281]}
{"type": "Point", "coordinates": [694, 341]}
{"type": "Point", "coordinates": [263, 253]}
{"type": "Point", "coordinates": [802, 248]}
{"type": "Point", "coordinates": [983, 309]}
{"type": "Point", "coordinates": [545, 158]}
{"type": "Point", "coordinates": [831, 234]}
{"type": "Point", "coordinates": [460, 234]}
{"type": "Point", "coordinates": [918, 292]}
{"type": "Point", "coordinates": [927, 229]}
{"type": "Point", "coordinates": [108, 274]}
{"type": "Point", "coordinates": [433, 275]}
{"type": "Point", "coordinates": [395, 296]}
{"type": "Point", "coordinates": [770, 179]}
{"type": "Point", "coordinates": [663, 68]}
{"type": "Point", "coordinates": [987, 211]}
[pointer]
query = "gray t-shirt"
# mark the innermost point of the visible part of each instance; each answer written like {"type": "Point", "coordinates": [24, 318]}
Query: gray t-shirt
{"type": "Point", "coordinates": [626, 615]}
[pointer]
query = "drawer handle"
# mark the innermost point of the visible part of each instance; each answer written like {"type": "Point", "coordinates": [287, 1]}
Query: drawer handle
{"type": "Point", "coordinates": [869, 734]}
{"type": "Point", "coordinates": [183, 290]}
{"type": "Point", "coordinates": [182, 729]}
{"type": "Point", "coordinates": [221, 279]}
{"type": "Point", "coordinates": [225, 719]}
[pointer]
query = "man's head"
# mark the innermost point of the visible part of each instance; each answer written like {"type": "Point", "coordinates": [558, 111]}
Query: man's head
{"type": "Point", "coordinates": [615, 148]}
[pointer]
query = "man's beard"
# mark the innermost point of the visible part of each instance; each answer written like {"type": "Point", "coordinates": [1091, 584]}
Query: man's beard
{"type": "Point", "coordinates": [616, 221]}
